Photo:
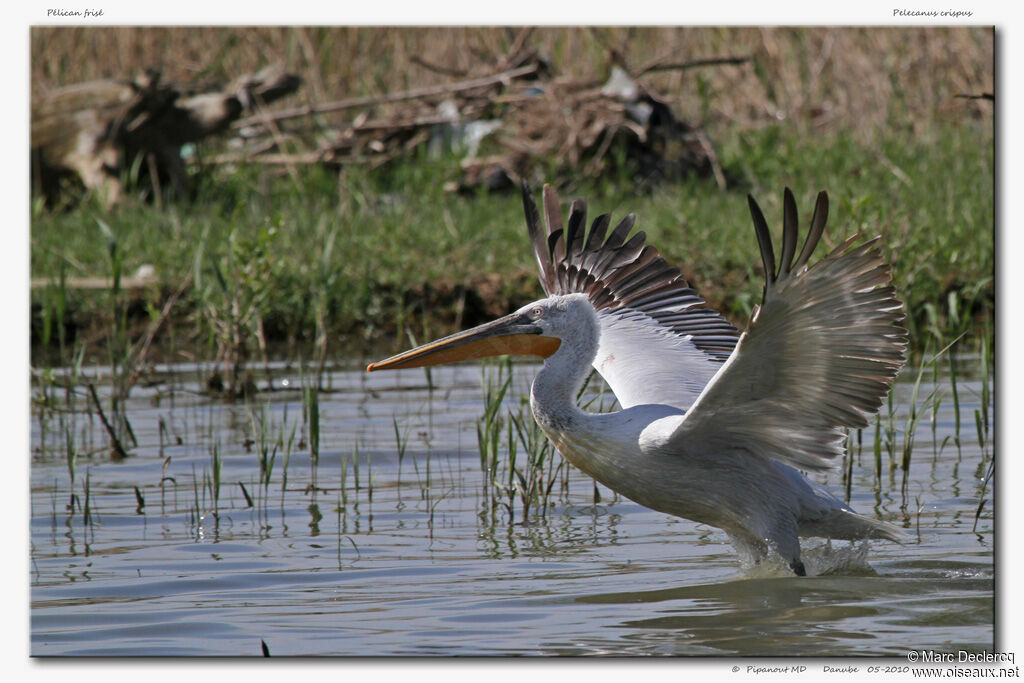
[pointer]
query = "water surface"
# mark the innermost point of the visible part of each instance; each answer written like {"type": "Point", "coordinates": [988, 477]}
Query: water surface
{"type": "Point", "coordinates": [416, 560]}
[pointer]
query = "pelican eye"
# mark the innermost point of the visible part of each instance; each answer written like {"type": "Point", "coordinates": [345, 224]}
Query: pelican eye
{"type": "Point", "coordinates": [537, 312]}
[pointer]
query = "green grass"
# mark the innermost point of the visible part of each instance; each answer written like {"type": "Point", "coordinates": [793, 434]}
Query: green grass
{"type": "Point", "coordinates": [366, 258]}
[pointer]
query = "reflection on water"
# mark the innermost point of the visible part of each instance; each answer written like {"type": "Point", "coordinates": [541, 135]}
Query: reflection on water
{"type": "Point", "coordinates": [390, 555]}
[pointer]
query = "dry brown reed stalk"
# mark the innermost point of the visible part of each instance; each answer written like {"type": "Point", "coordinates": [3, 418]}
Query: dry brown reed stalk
{"type": "Point", "coordinates": [852, 78]}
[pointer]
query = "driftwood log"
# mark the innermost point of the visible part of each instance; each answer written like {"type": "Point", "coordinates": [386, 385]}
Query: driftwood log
{"type": "Point", "coordinates": [97, 130]}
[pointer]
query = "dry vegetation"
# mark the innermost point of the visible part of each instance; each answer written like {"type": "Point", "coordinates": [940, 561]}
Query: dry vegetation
{"type": "Point", "coordinates": [859, 79]}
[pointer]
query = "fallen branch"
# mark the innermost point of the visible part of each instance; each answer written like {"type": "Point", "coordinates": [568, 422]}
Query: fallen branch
{"type": "Point", "coordinates": [692, 64]}
{"type": "Point", "coordinates": [370, 100]}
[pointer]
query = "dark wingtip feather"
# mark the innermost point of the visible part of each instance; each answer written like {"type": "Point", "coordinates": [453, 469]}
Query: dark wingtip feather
{"type": "Point", "coordinates": [790, 226]}
{"type": "Point", "coordinates": [553, 217]}
{"type": "Point", "coordinates": [574, 231]}
{"type": "Point", "coordinates": [538, 239]}
{"type": "Point", "coordinates": [818, 221]}
{"type": "Point", "coordinates": [552, 209]}
{"type": "Point", "coordinates": [618, 236]}
{"type": "Point", "coordinates": [595, 238]}
{"type": "Point", "coordinates": [553, 240]}
{"type": "Point", "coordinates": [764, 240]}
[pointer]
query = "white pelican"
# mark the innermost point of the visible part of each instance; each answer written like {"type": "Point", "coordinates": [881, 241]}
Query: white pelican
{"type": "Point", "coordinates": [715, 425]}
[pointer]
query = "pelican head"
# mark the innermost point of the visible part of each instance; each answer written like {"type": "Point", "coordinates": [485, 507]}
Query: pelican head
{"type": "Point", "coordinates": [537, 329]}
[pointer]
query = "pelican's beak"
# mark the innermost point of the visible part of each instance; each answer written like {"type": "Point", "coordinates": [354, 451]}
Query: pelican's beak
{"type": "Point", "coordinates": [512, 334]}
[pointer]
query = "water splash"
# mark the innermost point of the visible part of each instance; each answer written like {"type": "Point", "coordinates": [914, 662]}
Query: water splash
{"type": "Point", "coordinates": [826, 559]}
{"type": "Point", "coordinates": [820, 559]}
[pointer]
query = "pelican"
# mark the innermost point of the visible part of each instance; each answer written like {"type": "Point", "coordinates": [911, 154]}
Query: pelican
{"type": "Point", "coordinates": [715, 426]}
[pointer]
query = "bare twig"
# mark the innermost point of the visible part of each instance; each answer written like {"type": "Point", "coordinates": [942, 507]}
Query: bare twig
{"type": "Point", "coordinates": [417, 93]}
{"type": "Point", "coordinates": [399, 124]}
{"type": "Point", "coordinates": [313, 63]}
{"type": "Point", "coordinates": [437, 68]}
{"type": "Point", "coordinates": [272, 159]}
{"type": "Point", "coordinates": [115, 443]}
{"type": "Point", "coordinates": [139, 353]}
{"type": "Point", "coordinates": [275, 132]}
{"type": "Point", "coordinates": [692, 64]}
{"type": "Point", "coordinates": [709, 150]}
{"type": "Point", "coordinates": [516, 48]}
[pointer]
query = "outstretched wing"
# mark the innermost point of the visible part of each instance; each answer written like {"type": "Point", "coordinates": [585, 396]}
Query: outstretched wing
{"type": "Point", "coordinates": [819, 355]}
{"type": "Point", "coordinates": [659, 342]}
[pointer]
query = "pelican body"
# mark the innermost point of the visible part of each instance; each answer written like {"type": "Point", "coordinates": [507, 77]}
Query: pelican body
{"type": "Point", "coordinates": [714, 425]}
